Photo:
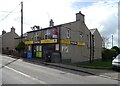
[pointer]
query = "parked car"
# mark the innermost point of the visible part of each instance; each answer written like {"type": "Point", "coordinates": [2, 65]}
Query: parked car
{"type": "Point", "coordinates": [116, 62]}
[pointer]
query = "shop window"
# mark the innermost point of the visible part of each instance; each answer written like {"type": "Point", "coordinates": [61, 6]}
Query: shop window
{"type": "Point", "coordinates": [51, 47]}
{"type": "Point", "coordinates": [29, 48]}
{"type": "Point", "coordinates": [38, 48]}
{"type": "Point", "coordinates": [57, 47]}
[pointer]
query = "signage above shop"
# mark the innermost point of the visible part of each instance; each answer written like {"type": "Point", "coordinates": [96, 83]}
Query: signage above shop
{"type": "Point", "coordinates": [49, 41]}
{"type": "Point", "coordinates": [81, 43]}
{"type": "Point", "coordinates": [28, 42]}
{"type": "Point", "coordinates": [36, 42]}
{"type": "Point", "coordinates": [65, 41]}
{"type": "Point", "coordinates": [73, 43]}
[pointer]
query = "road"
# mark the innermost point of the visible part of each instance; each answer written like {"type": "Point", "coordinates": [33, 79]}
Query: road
{"type": "Point", "coordinates": [17, 71]}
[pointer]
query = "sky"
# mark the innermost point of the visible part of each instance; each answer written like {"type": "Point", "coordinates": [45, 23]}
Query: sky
{"type": "Point", "coordinates": [100, 14]}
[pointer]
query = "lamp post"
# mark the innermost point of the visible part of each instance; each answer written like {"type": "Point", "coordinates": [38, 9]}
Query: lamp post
{"type": "Point", "coordinates": [112, 40]}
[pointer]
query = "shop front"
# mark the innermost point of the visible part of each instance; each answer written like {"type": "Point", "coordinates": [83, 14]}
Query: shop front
{"type": "Point", "coordinates": [49, 47]}
{"type": "Point", "coordinates": [43, 49]}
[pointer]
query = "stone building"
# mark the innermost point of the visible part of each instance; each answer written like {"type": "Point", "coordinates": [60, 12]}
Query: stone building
{"type": "Point", "coordinates": [7, 40]}
{"type": "Point", "coordinates": [69, 42]}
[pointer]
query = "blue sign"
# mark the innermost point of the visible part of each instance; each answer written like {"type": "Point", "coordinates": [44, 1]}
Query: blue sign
{"type": "Point", "coordinates": [73, 43]}
{"type": "Point", "coordinates": [29, 55]}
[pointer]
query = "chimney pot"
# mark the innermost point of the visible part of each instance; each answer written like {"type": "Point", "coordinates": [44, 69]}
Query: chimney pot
{"type": "Point", "coordinates": [13, 29]}
{"type": "Point", "coordinates": [3, 32]}
{"type": "Point", "coordinates": [51, 23]}
{"type": "Point", "coordinates": [80, 16]}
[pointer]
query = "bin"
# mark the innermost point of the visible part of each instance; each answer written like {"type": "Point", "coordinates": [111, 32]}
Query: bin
{"type": "Point", "coordinates": [29, 55]}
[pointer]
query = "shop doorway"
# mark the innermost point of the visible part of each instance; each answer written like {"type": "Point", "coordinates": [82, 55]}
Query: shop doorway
{"type": "Point", "coordinates": [37, 51]}
{"type": "Point", "coordinates": [47, 51]}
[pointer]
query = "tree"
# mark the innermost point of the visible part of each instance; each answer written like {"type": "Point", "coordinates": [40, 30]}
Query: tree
{"type": "Point", "coordinates": [108, 54]}
{"type": "Point", "coordinates": [20, 47]}
{"type": "Point", "coordinates": [116, 49]}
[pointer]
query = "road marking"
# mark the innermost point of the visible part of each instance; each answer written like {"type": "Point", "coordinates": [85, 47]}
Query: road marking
{"type": "Point", "coordinates": [105, 76]}
{"type": "Point", "coordinates": [42, 82]}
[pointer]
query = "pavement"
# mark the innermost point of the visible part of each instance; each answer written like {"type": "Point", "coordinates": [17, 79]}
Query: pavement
{"type": "Point", "coordinates": [106, 73]}
{"type": "Point", "coordinates": [32, 71]}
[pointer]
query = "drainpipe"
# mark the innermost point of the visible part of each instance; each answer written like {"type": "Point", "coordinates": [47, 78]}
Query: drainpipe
{"type": "Point", "coordinates": [90, 48]}
{"type": "Point", "coordinates": [60, 43]}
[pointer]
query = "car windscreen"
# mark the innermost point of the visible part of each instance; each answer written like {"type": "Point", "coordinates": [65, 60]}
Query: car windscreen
{"type": "Point", "coordinates": [118, 56]}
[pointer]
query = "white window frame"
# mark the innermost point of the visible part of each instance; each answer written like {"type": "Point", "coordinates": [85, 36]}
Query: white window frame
{"type": "Point", "coordinates": [68, 33]}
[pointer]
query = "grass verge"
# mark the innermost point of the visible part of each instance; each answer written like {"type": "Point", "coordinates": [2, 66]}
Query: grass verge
{"type": "Point", "coordinates": [99, 64]}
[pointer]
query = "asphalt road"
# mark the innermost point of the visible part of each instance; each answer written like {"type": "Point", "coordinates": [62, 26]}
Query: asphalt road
{"type": "Point", "coordinates": [17, 71]}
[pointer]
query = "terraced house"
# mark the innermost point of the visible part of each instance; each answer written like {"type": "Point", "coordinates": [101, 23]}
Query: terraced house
{"type": "Point", "coordinates": [7, 41]}
{"type": "Point", "coordinates": [69, 42]}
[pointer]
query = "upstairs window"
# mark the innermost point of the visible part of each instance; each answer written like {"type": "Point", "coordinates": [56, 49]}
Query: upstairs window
{"type": "Point", "coordinates": [68, 33]}
{"type": "Point", "coordinates": [81, 35]}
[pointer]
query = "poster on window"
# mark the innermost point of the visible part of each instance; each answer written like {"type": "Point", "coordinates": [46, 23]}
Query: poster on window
{"type": "Point", "coordinates": [57, 47]}
{"type": "Point", "coordinates": [54, 33]}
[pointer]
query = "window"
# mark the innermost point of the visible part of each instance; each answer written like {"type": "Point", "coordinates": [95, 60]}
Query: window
{"type": "Point", "coordinates": [29, 48]}
{"type": "Point", "coordinates": [38, 48]}
{"type": "Point", "coordinates": [36, 36]}
{"type": "Point", "coordinates": [81, 35]}
{"type": "Point", "coordinates": [68, 33]}
{"type": "Point", "coordinates": [47, 34]}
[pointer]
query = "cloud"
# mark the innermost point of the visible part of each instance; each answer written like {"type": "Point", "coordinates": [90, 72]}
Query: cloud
{"type": "Point", "coordinates": [102, 15]}
{"type": "Point", "coordinates": [80, 4]}
{"type": "Point", "coordinates": [37, 12]}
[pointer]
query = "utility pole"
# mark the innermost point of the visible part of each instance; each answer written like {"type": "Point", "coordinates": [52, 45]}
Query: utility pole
{"type": "Point", "coordinates": [112, 40]}
{"type": "Point", "coordinates": [21, 21]}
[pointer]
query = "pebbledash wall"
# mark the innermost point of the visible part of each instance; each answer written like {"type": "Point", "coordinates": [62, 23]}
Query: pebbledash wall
{"type": "Point", "coordinates": [73, 41]}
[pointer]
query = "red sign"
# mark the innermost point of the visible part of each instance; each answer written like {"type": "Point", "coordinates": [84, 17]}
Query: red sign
{"type": "Point", "coordinates": [54, 31]}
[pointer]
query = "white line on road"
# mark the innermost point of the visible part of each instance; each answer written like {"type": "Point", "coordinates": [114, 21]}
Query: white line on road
{"type": "Point", "coordinates": [42, 82]}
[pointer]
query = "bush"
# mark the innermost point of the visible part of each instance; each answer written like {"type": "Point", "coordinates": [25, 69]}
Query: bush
{"type": "Point", "coordinates": [116, 49]}
{"type": "Point", "coordinates": [20, 46]}
{"type": "Point", "coordinates": [108, 54]}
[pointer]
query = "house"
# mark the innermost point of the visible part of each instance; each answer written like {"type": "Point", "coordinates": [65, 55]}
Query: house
{"type": "Point", "coordinates": [96, 44]}
{"type": "Point", "coordinates": [8, 41]}
{"type": "Point", "coordinates": [69, 42]}
{"type": "Point", "coordinates": [0, 43]}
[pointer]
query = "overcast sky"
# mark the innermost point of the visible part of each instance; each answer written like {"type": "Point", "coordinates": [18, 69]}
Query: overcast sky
{"type": "Point", "coordinates": [101, 14]}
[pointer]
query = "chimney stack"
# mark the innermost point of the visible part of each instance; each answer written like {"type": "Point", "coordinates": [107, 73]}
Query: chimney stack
{"type": "Point", "coordinates": [3, 32]}
{"type": "Point", "coordinates": [80, 16]}
{"type": "Point", "coordinates": [13, 29]}
{"type": "Point", "coordinates": [51, 23]}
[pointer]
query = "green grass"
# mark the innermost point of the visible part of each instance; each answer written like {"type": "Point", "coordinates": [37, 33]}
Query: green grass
{"type": "Point", "coordinates": [97, 64]}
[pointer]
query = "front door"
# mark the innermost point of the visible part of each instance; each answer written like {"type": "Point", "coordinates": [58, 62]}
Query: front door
{"type": "Point", "coordinates": [47, 51]}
